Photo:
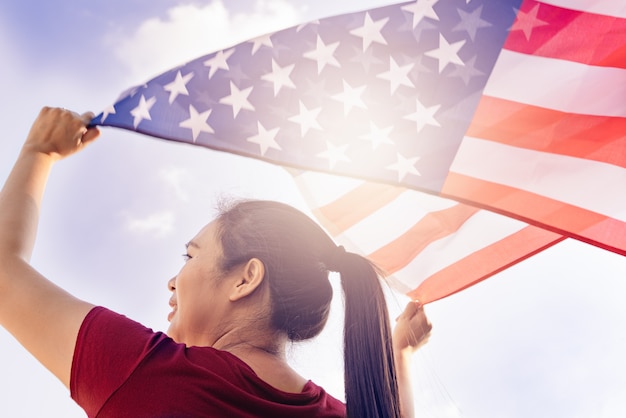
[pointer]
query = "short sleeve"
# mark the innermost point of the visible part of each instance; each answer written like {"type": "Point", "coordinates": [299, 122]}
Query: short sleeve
{"type": "Point", "coordinates": [109, 347]}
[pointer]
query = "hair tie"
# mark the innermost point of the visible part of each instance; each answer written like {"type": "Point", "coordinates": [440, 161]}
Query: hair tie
{"type": "Point", "coordinates": [334, 262]}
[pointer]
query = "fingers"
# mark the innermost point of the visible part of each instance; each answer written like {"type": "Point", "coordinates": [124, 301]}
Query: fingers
{"type": "Point", "coordinates": [411, 309]}
{"type": "Point", "coordinates": [60, 132]}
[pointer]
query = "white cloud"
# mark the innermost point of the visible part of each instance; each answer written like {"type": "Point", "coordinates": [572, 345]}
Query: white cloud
{"type": "Point", "coordinates": [158, 224]}
{"type": "Point", "coordinates": [191, 31]}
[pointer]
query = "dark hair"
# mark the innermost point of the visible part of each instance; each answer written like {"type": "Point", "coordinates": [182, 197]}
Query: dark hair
{"type": "Point", "coordinates": [298, 255]}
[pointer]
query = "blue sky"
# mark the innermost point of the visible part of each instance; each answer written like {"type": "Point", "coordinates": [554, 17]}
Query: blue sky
{"type": "Point", "coordinates": [544, 339]}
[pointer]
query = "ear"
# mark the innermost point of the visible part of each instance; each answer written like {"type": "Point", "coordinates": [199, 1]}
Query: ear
{"type": "Point", "coordinates": [249, 280]}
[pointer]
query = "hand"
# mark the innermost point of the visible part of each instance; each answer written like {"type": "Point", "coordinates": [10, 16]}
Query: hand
{"type": "Point", "coordinates": [59, 132]}
{"type": "Point", "coordinates": [412, 329]}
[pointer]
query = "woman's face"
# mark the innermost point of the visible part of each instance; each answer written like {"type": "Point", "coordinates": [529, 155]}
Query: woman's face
{"type": "Point", "coordinates": [199, 293]}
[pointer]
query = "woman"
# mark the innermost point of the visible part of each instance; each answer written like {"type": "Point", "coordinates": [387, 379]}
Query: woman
{"type": "Point", "coordinates": [255, 278]}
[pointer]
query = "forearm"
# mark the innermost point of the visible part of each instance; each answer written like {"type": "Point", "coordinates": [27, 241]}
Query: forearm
{"type": "Point", "coordinates": [405, 389]}
{"type": "Point", "coordinates": [20, 202]}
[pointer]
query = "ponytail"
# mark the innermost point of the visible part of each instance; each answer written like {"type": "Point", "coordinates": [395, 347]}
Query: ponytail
{"type": "Point", "coordinates": [370, 376]}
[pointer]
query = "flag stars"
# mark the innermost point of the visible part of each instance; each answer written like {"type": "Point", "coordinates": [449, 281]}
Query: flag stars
{"type": "Point", "coordinates": [334, 154]}
{"type": "Point", "coordinates": [142, 111]}
{"type": "Point", "coordinates": [110, 110]}
{"type": "Point", "coordinates": [218, 61]}
{"type": "Point", "coordinates": [257, 43]}
{"type": "Point", "coordinates": [404, 166]}
{"type": "Point", "coordinates": [238, 99]}
{"type": "Point", "coordinates": [447, 53]}
{"type": "Point", "coordinates": [397, 75]}
{"type": "Point", "coordinates": [265, 139]}
{"type": "Point", "coordinates": [527, 22]}
{"type": "Point", "coordinates": [178, 86]}
{"type": "Point", "coordinates": [351, 97]}
{"type": "Point", "coordinates": [197, 122]}
{"type": "Point", "coordinates": [307, 119]}
{"type": "Point", "coordinates": [280, 77]}
{"type": "Point", "coordinates": [323, 54]}
{"type": "Point", "coordinates": [423, 115]}
{"type": "Point", "coordinates": [377, 136]}
{"type": "Point", "coordinates": [421, 9]}
{"type": "Point", "coordinates": [471, 22]}
{"type": "Point", "coordinates": [467, 71]}
{"type": "Point", "coordinates": [370, 31]}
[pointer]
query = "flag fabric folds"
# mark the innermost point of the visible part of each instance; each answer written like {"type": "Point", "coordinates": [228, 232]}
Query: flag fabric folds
{"type": "Point", "coordinates": [430, 247]}
{"type": "Point", "coordinates": [507, 105]}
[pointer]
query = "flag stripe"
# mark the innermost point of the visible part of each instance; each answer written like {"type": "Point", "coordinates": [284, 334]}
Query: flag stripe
{"type": "Point", "coordinates": [356, 205]}
{"type": "Point", "coordinates": [577, 222]}
{"type": "Point", "coordinates": [486, 262]}
{"type": "Point", "coordinates": [595, 138]}
{"type": "Point", "coordinates": [558, 84]}
{"type": "Point", "coordinates": [435, 225]}
{"type": "Point", "coordinates": [382, 227]}
{"type": "Point", "coordinates": [561, 37]}
{"type": "Point", "coordinates": [603, 7]}
{"type": "Point", "coordinates": [509, 166]}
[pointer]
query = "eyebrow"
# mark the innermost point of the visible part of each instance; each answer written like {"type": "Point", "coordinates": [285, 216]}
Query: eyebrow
{"type": "Point", "coordinates": [191, 244]}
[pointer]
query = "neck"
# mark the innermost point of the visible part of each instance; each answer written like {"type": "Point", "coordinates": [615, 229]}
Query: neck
{"type": "Point", "coordinates": [257, 342]}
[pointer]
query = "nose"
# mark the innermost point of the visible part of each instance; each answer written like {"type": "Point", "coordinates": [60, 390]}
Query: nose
{"type": "Point", "coordinates": [171, 284]}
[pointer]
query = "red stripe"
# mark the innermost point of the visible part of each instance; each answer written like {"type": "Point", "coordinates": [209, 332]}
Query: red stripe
{"type": "Point", "coordinates": [355, 206]}
{"type": "Point", "coordinates": [435, 225]}
{"type": "Point", "coordinates": [597, 138]}
{"type": "Point", "coordinates": [485, 263]}
{"type": "Point", "coordinates": [570, 35]}
{"type": "Point", "coordinates": [548, 213]}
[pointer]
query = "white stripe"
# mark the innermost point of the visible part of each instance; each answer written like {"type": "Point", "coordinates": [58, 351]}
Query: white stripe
{"type": "Point", "coordinates": [603, 7]}
{"type": "Point", "coordinates": [592, 185]}
{"type": "Point", "coordinates": [391, 221]}
{"type": "Point", "coordinates": [481, 230]}
{"type": "Point", "coordinates": [557, 84]}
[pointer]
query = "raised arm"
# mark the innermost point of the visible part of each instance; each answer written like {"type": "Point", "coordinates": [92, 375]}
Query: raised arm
{"type": "Point", "coordinates": [411, 332]}
{"type": "Point", "coordinates": [41, 316]}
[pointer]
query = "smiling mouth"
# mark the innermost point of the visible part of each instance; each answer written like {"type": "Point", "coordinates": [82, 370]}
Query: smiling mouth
{"type": "Point", "coordinates": [171, 314]}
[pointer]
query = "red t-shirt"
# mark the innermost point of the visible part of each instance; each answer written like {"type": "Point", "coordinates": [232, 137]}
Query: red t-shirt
{"type": "Point", "coordinates": [123, 369]}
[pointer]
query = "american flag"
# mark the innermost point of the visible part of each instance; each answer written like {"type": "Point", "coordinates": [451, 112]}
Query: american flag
{"type": "Point", "coordinates": [475, 100]}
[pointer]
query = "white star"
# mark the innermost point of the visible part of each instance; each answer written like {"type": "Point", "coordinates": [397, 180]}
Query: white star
{"type": "Point", "coordinates": [265, 139]}
{"type": "Point", "coordinates": [307, 119]}
{"type": "Point", "coordinates": [178, 86]}
{"type": "Point", "coordinates": [446, 53]}
{"type": "Point", "coordinates": [334, 154]}
{"type": "Point", "coordinates": [421, 9]}
{"type": "Point", "coordinates": [526, 22]}
{"type": "Point", "coordinates": [370, 31]}
{"type": "Point", "coordinates": [323, 54]}
{"type": "Point", "coordinates": [304, 25]}
{"type": "Point", "coordinates": [238, 99]}
{"type": "Point", "coordinates": [378, 136]}
{"type": "Point", "coordinates": [280, 77]}
{"type": "Point", "coordinates": [471, 22]}
{"type": "Point", "coordinates": [423, 115]}
{"type": "Point", "coordinates": [260, 41]}
{"type": "Point", "coordinates": [142, 111]}
{"type": "Point", "coordinates": [351, 97]}
{"type": "Point", "coordinates": [397, 75]}
{"type": "Point", "coordinates": [218, 61]}
{"type": "Point", "coordinates": [197, 122]}
{"type": "Point", "coordinates": [110, 110]}
{"type": "Point", "coordinates": [404, 166]}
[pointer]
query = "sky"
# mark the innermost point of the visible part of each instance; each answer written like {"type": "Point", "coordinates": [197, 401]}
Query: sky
{"type": "Point", "coordinates": [544, 338]}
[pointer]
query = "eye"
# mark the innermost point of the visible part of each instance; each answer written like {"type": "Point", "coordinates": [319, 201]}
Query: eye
{"type": "Point", "coordinates": [186, 257]}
